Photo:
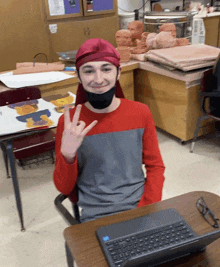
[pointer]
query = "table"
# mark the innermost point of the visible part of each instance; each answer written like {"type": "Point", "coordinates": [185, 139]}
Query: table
{"type": "Point", "coordinates": [84, 246]}
{"type": "Point", "coordinates": [172, 96]}
{"type": "Point", "coordinates": [8, 142]}
{"type": "Point", "coordinates": [126, 81]}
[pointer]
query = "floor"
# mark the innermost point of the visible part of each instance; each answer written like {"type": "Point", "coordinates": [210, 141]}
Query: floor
{"type": "Point", "coordinates": [42, 244]}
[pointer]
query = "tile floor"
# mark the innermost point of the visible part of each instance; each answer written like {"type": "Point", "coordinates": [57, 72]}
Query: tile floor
{"type": "Point", "coordinates": [42, 245]}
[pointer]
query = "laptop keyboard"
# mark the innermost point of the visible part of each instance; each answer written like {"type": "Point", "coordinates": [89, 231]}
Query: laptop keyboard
{"type": "Point", "coordinates": [147, 242]}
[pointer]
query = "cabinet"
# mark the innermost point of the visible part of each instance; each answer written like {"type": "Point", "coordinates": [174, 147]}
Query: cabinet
{"type": "Point", "coordinates": [63, 9]}
{"type": "Point", "coordinates": [71, 34]}
{"type": "Point", "coordinates": [30, 27]}
{"type": "Point", "coordinates": [23, 32]}
{"type": "Point", "coordinates": [84, 20]}
{"type": "Point", "coordinates": [175, 106]}
{"type": "Point", "coordinates": [212, 31]}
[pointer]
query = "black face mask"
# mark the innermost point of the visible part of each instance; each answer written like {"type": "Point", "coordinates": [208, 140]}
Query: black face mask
{"type": "Point", "coordinates": [100, 101]}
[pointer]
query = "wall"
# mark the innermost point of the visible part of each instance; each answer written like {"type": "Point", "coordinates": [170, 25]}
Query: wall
{"type": "Point", "coordinates": [171, 4]}
{"type": "Point", "coordinates": [130, 5]}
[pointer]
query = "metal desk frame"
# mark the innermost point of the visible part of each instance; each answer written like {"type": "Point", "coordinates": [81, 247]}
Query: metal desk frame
{"type": "Point", "coordinates": [8, 142]}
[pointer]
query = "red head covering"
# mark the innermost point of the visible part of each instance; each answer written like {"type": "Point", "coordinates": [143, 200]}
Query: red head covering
{"type": "Point", "coordinates": [96, 50]}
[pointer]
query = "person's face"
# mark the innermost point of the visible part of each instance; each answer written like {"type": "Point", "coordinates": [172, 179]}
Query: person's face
{"type": "Point", "coordinates": [172, 30]}
{"type": "Point", "coordinates": [98, 76]}
{"type": "Point", "coordinates": [135, 32]}
{"type": "Point", "coordinates": [123, 38]}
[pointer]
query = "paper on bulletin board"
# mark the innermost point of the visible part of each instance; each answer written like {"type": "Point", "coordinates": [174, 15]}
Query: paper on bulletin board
{"type": "Point", "coordinates": [56, 7]}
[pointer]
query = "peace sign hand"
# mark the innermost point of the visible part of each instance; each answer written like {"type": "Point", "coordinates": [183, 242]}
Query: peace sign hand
{"type": "Point", "coordinates": [74, 133]}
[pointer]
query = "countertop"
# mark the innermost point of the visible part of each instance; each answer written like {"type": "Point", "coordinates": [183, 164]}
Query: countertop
{"type": "Point", "coordinates": [190, 78]}
{"type": "Point", "coordinates": [213, 14]}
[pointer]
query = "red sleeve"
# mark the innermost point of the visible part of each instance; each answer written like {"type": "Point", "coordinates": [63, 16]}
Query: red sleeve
{"type": "Point", "coordinates": [65, 175]}
{"type": "Point", "coordinates": [153, 164]}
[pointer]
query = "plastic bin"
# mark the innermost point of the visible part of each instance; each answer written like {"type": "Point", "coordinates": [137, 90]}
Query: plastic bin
{"type": "Point", "coordinates": [125, 19]}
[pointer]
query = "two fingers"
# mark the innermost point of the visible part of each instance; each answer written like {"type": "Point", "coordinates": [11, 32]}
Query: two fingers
{"type": "Point", "coordinates": [67, 115]}
{"type": "Point", "coordinates": [76, 121]}
{"type": "Point", "coordinates": [67, 120]}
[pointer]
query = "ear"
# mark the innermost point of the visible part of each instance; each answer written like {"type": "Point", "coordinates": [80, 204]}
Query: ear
{"type": "Point", "coordinates": [119, 73]}
{"type": "Point", "coordinates": [77, 75]}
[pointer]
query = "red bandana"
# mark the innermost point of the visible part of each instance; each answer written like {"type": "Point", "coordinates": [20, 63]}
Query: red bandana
{"type": "Point", "coordinates": [96, 50]}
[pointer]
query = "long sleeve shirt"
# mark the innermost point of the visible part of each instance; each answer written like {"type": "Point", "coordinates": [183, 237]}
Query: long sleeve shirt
{"type": "Point", "coordinates": [107, 176]}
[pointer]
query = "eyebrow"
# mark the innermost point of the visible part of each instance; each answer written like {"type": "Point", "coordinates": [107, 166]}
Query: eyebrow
{"type": "Point", "coordinates": [90, 66]}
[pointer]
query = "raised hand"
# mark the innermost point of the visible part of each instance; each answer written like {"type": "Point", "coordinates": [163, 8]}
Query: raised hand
{"type": "Point", "coordinates": [74, 133]}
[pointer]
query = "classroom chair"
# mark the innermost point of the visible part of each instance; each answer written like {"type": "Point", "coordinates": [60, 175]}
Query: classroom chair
{"type": "Point", "coordinates": [71, 220]}
{"type": "Point", "coordinates": [35, 143]}
{"type": "Point", "coordinates": [210, 99]}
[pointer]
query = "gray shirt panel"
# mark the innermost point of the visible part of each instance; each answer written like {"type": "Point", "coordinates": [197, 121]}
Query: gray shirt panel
{"type": "Point", "coordinates": [110, 177]}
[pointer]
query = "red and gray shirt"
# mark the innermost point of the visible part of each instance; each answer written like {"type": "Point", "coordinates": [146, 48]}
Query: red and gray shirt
{"type": "Point", "coordinates": [108, 166]}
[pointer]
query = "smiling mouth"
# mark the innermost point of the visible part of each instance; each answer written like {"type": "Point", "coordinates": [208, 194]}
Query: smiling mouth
{"type": "Point", "coordinates": [98, 87]}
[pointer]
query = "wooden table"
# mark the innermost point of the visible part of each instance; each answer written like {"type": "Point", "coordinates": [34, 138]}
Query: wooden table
{"type": "Point", "coordinates": [84, 245]}
{"type": "Point", "coordinates": [172, 96]}
{"type": "Point", "coordinates": [126, 81]}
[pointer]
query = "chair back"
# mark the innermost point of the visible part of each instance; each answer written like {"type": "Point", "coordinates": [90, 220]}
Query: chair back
{"type": "Point", "coordinates": [13, 96]}
{"type": "Point", "coordinates": [64, 212]}
{"type": "Point", "coordinates": [209, 82]}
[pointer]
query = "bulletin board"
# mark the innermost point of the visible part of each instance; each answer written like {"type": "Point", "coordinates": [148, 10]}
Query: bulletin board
{"type": "Point", "coordinates": [59, 9]}
{"type": "Point", "coordinates": [99, 7]}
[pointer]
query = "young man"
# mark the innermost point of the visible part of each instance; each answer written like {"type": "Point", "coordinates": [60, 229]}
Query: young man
{"type": "Point", "coordinates": [103, 142]}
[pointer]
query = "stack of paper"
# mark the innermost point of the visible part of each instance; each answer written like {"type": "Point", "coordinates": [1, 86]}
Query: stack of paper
{"type": "Point", "coordinates": [185, 58]}
{"type": "Point", "coordinates": [32, 79]}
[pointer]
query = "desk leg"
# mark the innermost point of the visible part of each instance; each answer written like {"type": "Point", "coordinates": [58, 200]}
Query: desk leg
{"type": "Point", "coordinates": [15, 181]}
{"type": "Point", "coordinates": [69, 256]}
{"type": "Point", "coordinates": [4, 150]}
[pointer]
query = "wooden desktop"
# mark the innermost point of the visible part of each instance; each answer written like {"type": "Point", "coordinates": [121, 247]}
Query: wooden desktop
{"type": "Point", "coordinates": [85, 248]}
{"type": "Point", "coordinates": [172, 96]}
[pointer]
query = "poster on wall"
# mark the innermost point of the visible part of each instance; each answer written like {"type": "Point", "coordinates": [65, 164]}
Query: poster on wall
{"type": "Point", "coordinates": [32, 114]}
{"type": "Point", "coordinates": [63, 7]}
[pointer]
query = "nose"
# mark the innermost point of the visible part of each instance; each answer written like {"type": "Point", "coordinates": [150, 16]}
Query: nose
{"type": "Point", "coordinates": [98, 77]}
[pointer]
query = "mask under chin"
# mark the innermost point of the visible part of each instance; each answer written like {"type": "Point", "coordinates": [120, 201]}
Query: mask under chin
{"type": "Point", "coordinates": [100, 101]}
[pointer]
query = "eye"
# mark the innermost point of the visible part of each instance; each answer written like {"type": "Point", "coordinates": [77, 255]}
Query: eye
{"type": "Point", "coordinates": [88, 71]}
{"type": "Point", "coordinates": [106, 69]}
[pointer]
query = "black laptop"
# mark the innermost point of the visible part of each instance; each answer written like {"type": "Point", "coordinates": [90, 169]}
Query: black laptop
{"type": "Point", "coordinates": [151, 240]}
